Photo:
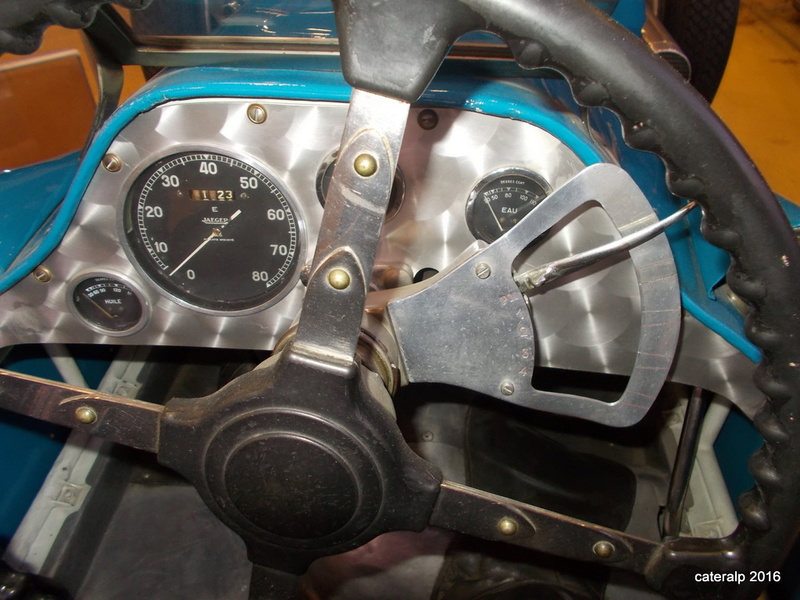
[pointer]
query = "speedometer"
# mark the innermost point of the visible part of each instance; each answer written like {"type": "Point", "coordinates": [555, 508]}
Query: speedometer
{"type": "Point", "coordinates": [213, 231]}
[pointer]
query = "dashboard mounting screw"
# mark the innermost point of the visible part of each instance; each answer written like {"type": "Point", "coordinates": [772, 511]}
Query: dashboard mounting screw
{"type": "Point", "coordinates": [86, 415]}
{"type": "Point", "coordinates": [112, 163]}
{"type": "Point", "coordinates": [507, 526]}
{"type": "Point", "coordinates": [42, 274]}
{"type": "Point", "coordinates": [507, 388]}
{"type": "Point", "coordinates": [339, 279]}
{"type": "Point", "coordinates": [428, 119]}
{"type": "Point", "coordinates": [365, 165]}
{"type": "Point", "coordinates": [604, 549]}
{"type": "Point", "coordinates": [482, 270]}
{"type": "Point", "coordinates": [257, 114]}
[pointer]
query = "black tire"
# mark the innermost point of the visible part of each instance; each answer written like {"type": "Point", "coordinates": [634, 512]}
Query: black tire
{"type": "Point", "coordinates": [704, 30]}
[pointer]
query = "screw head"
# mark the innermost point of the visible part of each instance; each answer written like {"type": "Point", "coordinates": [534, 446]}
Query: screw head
{"type": "Point", "coordinates": [482, 270]}
{"type": "Point", "coordinates": [86, 415]}
{"type": "Point", "coordinates": [365, 165]}
{"type": "Point", "coordinates": [507, 526]}
{"type": "Point", "coordinates": [507, 388]}
{"type": "Point", "coordinates": [427, 119]}
{"type": "Point", "coordinates": [257, 114]}
{"type": "Point", "coordinates": [42, 274]}
{"type": "Point", "coordinates": [112, 163]}
{"type": "Point", "coordinates": [339, 279]}
{"type": "Point", "coordinates": [604, 549]}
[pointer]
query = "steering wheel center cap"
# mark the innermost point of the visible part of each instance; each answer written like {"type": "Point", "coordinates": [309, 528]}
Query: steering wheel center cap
{"type": "Point", "coordinates": [292, 478]}
{"type": "Point", "coordinates": [292, 486]}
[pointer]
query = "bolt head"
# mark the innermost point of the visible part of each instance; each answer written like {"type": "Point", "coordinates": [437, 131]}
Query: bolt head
{"type": "Point", "coordinates": [339, 279]}
{"type": "Point", "coordinates": [365, 165]}
{"type": "Point", "coordinates": [507, 526]}
{"type": "Point", "coordinates": [507, 388]}
{"type": "Point", "coordinates": [112, 163]}
{"type": "Point", "coordinates": [86, 415]}
{"type": "Point", "coordinates": [482, 270]}
{"type": "Point", "coordinates": [257, 114]}
{"type": "Point", "coordinates": [604, 549]}
{"type": "Point", "coordinates": [42, 274]}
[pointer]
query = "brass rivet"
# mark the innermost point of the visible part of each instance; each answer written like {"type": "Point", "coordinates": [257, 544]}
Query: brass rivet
{"type": "Point", "coordinates": [86, 415]}
{"type": "Point", "coordinates": [365, 165]}
{"type": "Point", "coordinates": [112, 163]}
{"type": "Point", "coordinates": [339, 279]}
{"type": "Point", "coordinates": [42, 274]}
{"type": "Point", "coordinates": [507, 526]}
{"type": "Point", "coordinates": [604, 549]}
{"type": "Point", "coordinates": [257, 113]}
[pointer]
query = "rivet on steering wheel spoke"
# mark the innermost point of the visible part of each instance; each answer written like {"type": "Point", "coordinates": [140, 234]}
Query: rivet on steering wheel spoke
{"type": "Point", "coordinates": [507, 526]}
{"type": "Point", "coordinates": [86, 415]}
{"type": "Point", "coordinates": [604, 549]}
{"type": "Point", "coordinates": [339, 279]}
{"type": "Point", "coordinates": [365, 165]}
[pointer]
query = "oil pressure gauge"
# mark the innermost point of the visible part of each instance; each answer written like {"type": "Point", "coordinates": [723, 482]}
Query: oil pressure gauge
{"type": "Point", "coordinates": [108, 304]}
{"type": "Point", "coordinates": [501, 200]}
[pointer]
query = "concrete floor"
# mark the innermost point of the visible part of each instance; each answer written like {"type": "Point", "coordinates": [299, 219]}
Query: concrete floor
{"type": "Point", "coordinates": [759, 97]}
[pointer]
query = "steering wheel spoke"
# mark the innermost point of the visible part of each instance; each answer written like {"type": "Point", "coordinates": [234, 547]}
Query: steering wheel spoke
{"type": "Point", "coordinates": [118, 419]}
{"type": "Point", "coordinates": [355, 208]}
{"type": "Point", "coordinates": [495, 518]}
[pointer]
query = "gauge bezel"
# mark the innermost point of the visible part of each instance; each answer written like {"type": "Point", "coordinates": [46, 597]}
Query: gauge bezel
{"type": "Point", "coordinates": [132, 285]}
{"type": "Point", "coordinates": [469, 209]}
{"type": "Point", "coordinates": [148, 161]}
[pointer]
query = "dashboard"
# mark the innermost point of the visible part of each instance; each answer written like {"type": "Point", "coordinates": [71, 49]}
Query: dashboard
{"type": "Point", "coordinates": [198, 222]}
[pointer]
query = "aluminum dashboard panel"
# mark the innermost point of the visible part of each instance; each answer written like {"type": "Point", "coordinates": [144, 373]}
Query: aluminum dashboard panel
{"type": "Point", "coordinates": [440, 167]}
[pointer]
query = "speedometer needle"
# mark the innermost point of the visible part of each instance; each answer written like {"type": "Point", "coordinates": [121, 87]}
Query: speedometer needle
{"type": "Point", "coordinates": [216, 232]}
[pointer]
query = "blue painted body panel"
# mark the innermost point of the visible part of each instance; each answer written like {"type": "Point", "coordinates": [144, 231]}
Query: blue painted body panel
{"type": "Point", "coordinates": [28, 196]}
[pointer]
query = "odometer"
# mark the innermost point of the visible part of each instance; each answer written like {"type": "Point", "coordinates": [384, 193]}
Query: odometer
{"type": "Point", "coordinates": [213, 231]}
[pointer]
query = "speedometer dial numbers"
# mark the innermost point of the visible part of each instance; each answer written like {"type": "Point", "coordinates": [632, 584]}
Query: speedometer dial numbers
{"type": "Point", "coordinates": [213, 231]}
{"type": "Point", "coordinates": [501, 200]}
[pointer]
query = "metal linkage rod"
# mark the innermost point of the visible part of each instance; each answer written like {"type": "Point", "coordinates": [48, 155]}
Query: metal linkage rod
{"type": "Point", "coordinates": [536, 278]}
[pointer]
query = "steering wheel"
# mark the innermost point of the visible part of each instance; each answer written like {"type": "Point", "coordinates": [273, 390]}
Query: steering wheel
{"type": "Point", "coordinates": [312, 423]}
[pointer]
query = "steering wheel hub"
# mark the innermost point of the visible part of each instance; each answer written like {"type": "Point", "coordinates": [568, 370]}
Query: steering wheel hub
{"type": "Point", "coordinates": [293, 477]}
{"type": "Point", "coordinates": [300, 462]}
{"type": "Point", "coordinates": [292, 486]}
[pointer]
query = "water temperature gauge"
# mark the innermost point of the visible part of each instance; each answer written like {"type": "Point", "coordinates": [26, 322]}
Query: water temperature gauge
{"type": "Point", "coordinates": [501, 200]}
{"type": "Point", "coordinates": [108, 305]}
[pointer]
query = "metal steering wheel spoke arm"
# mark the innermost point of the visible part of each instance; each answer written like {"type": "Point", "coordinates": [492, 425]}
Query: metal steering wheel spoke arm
{"type": "Point", "coordinates": [355, 208]}
{"type": "Point", "coordinates": [495, 518]}
{"type": "Point", "coordinates": [118, 419]}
